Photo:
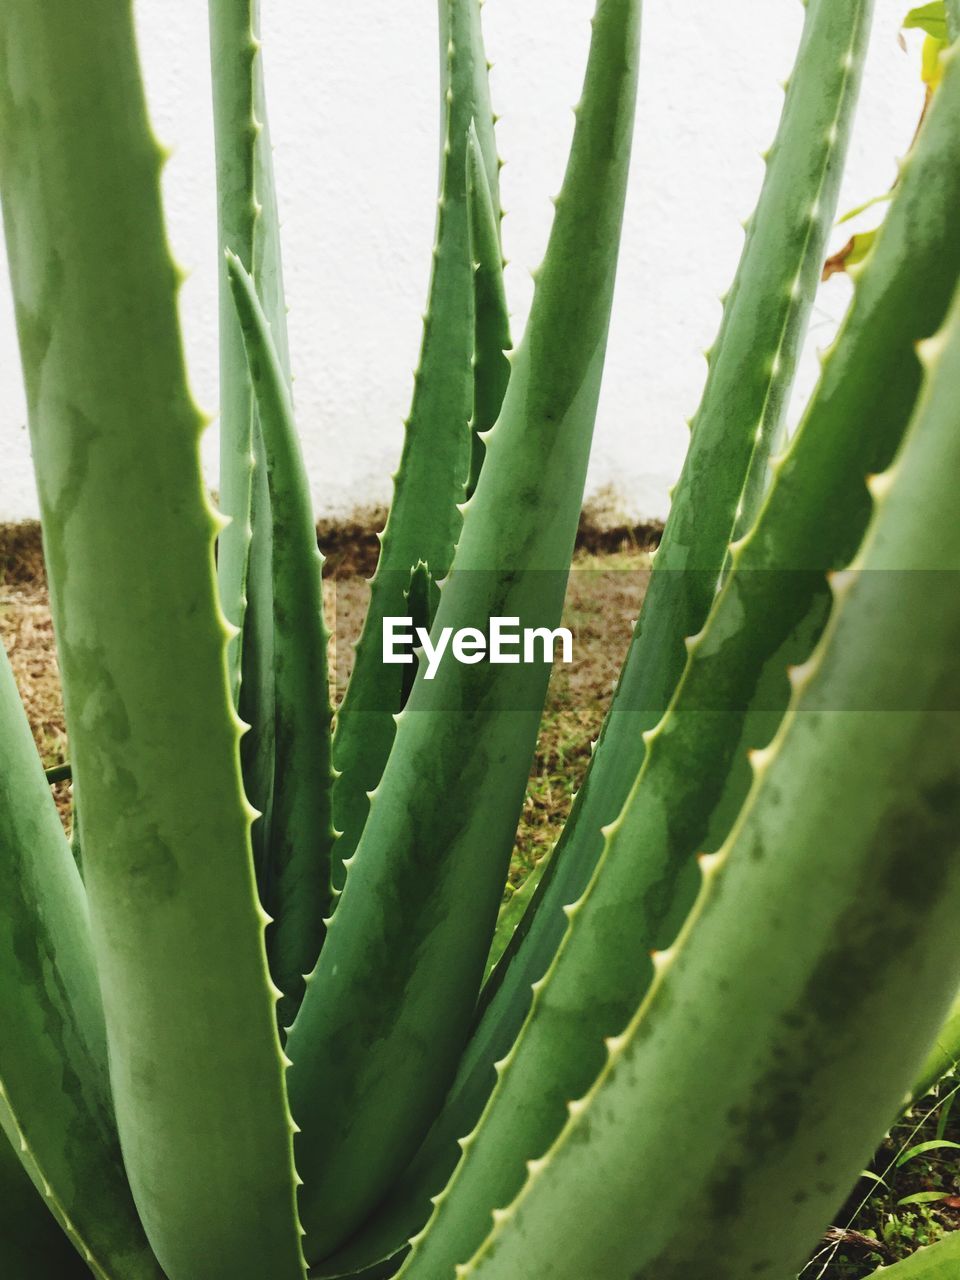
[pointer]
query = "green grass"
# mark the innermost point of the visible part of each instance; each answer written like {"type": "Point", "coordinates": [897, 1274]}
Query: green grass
{"type": "Point", "coordinates": [909, 1196]}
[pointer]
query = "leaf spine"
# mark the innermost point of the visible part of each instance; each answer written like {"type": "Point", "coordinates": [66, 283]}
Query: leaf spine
{"type": "Point", "coordinates": [710, 863]}
{"type": "Point", "coordinates": [880, 484]}
{"type": "Point", "coordinates": [760, 758]}
{"type": "Point", "coordinates": [840, 581]}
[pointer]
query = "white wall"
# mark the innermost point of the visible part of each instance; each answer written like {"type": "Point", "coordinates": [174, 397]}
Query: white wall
{"type": "Point", "coordinates": [354, 115]}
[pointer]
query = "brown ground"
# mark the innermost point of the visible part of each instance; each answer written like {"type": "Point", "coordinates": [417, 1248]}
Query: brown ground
{"type": "Point", "coordinates": [602, 601]}
{"type": "Point", "coordinates": [352, 546]}
{"type": "Point", "coordinates": [27, 633]}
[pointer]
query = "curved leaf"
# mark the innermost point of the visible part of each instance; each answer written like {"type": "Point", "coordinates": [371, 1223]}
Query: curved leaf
{"type": "Point", "coordinates": [296, 890]}
{"type": "Point", "coordinates": [937, 1262]}
{"type": "Point", "coordinates": [425, 518]}
{"type": "Point", "coordinates": [55, 1103]}
{"type": "Point", "coordinates": [387, 1010]}
{"type": "Point", "coordinates": [944, 1055]}
{"type": "Point", "coordinates": [751, 369]}
{"type": "Point", "coordinates": [196, 1070]}
{"type": "Point", "coordinates": [819, 953]}
{"type": "Point", "coordinates": [32, 1243]}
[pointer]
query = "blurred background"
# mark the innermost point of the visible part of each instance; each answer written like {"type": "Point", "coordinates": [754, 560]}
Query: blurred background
{"type": "Point", "coordinates": [354, 112]}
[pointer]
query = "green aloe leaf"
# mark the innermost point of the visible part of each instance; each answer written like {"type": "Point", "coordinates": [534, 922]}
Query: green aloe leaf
{"type": "Point", "coordinates": [430, 483]}
{"type": "Point", "coordinates": [421, 600]}
{"type": "Point", "coordinates": [491, 367]}
{"type": "Point", "coordinates": [527, 958]}
{"type": "Point", "coordinates": [944, 1055]}
{"type": "Point", "coordinates": [937, 1262]}
{"type": "Point", "coordinates": [51, 1031]}
{"type": "Point", "coordinates": [769, 613]}
{"type": "Point", "coordinates": [32, 1243]}
{"type": "Point", "coordinates": [248, 225]}
{"type": "Point", "coordinates": [196, 1071]}
{"type": "Point", "coordinates": [513, 912]}
{"type": "Point", "coordinates": [809, 964]}
{"type": "Point", "coordinates": [445, 812]}
{"type": "Point", "coordinates": [751, 369]}
{"type": "Point", "coordinates": [296, 889]}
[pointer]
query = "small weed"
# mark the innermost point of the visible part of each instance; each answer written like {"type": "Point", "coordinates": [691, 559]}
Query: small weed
{"type": "Point", "coordinates": [908, 1197]}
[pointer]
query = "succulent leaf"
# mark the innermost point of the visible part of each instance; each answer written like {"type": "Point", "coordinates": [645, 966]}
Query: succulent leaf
{"type": "Point", "coordinates": [491, 368]}
{"type": "Point", "coordinates": [768, 615]}
{"type": "Point", "coordinates": [811, 141]}
{"type": "Point", "coordinates": [196, 1072]}
{"type": "Point", "coordinates": [857, 970]}
{"type": "Point", "coordinates": [52, 1020]}
{"type": "Point", "coordinates": [31, 1241]}
{"type": "Point", "coordinates": [445, 812]}
{"type": "Point", "coordinates": [734, 959]}
{"type": "Point", "coordinates": [944, 1055]}
{"type": "Point", "coordinates": [248, 225]}
{"type": "Point", "coordinates": [526, 959]}
{"type": "Point", "coordinates": [421, 600]}
{"type": "Point", "coordinates": [514, 911]}
{"type": "Point", "coordinates": [429, 486]}
{"type": "Point", "coordinates": [772, 294]}
{"type": "Point", "coordinates": [936, 1262]}
{"type": "Point", "coordinates": [295, 885]}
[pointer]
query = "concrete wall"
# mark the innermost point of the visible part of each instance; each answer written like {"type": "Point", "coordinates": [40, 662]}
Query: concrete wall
{"type": "Point", "coordinates": [353, 91]}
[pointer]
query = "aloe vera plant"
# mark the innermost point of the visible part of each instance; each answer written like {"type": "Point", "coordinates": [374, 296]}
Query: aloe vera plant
{"type": "Point", "coordinates": [264, 1019]}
